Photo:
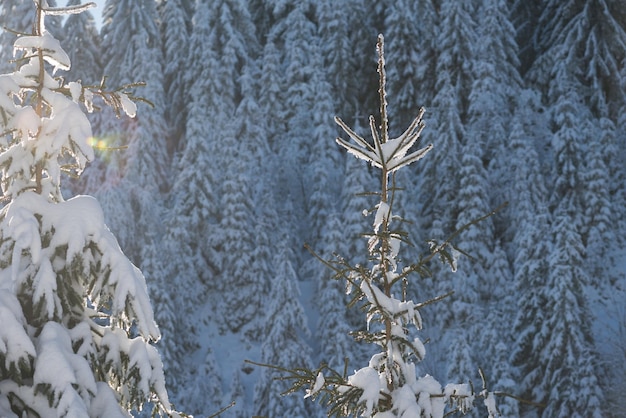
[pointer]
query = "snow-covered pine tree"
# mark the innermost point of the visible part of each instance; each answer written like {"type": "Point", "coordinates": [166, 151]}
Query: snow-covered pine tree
{"type": "Point", "coordinates": [570, 384]}
{"type": "Point", "coordinates": [473, 281]}
{"type": "Point", "coordinates": [271, 94]}
{"type": "Point", "coordinates": [389, 386]}
{"type": "Point", "coordinates": [440, 182]}
{"type": "Point", "coordinates": [285, 327]}
{"type": "Point", "coordinates": [531, 244]}
{"type": "Point", "coordinates": [526, 130]}
{"type": "Point", "coordinates": [77, 323]}
{"type": "Point", "coordinates": [594, 34]}
{"type": "Point", "coordinates": [227, 69]}
{"type": "Point", "coordinates": [604, 36]}
{"type": "Point", "coordinates": [524, 17]}
{"type": "Point", "coordinates": [560, 301]}
{"type": "Point", "coordinates": [457, 40]}
{"type": "Point", "coordinates": [455, 76]}
{"type": "Point", "coordinates": [445, 164]}
{"type": "Point", "coordinates": [184, 281]}
{"type": "Point", "coordinates": [193, 200]}
{"type": "Point", "coordinates": [298, 53]}
{"type": "Point", "coordinates": [456, 43]}
{"type": "Point", "coordinates": [598, 234]}
{"type": "Point", "coordinates": [243, 293]}
{"type": "Point", "coordinates": [244, 246]}
{"type": "Point", "coordinates": [175, 30]}
{"type": "Point", "coordinates": [471, 286]}
{"type": "Point", "coordinates": [262, 272]}
{"type": "Point", "coordinates": [193, 193]}
{"type": "Point", "coordinates": [193, 208]}
{"type": "Point", "coordinates": [502, 375]}
{"type": "Point", "coordinates": [605, 49]}
{"type": "Point", "coordinates": [323, 164]}
{"type": "Point", "coordinates": [221, 44]}
{"type": "Point", "coordinates": [570, 120]}
{"type": "Point", "coordinates": [580, 47]}
{"type": "Point", "coordinates": [250, 126]}
{"type": "Point", "coordinates": [493, 98]}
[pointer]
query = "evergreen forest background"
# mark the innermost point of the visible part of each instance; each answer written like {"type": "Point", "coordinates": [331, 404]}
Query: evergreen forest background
{"type": "Point", "coordinates": [214, 190]}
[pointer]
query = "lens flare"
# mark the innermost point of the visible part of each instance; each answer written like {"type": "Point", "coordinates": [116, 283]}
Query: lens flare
{"type": "Point", "coordinates": [97, 143]}
{"type": "Point", "coordinates": [106, 143]}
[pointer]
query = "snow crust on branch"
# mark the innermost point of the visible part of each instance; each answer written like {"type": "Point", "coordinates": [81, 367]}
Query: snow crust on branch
{"type": "Point", "coordinates": [77, 231]}
{"type": "Point", "coordinates": [388, 154]}
{"type": "Point", "coordinates": [16, 347]}
{"type": "Point", "coordinates": [51, 48]}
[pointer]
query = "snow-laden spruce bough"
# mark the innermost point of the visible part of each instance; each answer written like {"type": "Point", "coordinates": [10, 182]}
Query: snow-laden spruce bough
{"type": "Point", "coordinates": [76, 324]}
{"type": "Point", "coordinates": [388, 386]}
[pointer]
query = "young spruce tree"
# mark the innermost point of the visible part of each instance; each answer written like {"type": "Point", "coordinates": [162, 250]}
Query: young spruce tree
{"type": "Point", "coordinates": [389, 385]}
{"type": "Point", "coordinates": [76, 322]}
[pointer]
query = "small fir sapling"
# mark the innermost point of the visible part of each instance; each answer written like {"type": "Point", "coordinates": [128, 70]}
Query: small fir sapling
{"type": "Point", "coordinates": [388, 386]}
{"type": "Point", "coordinates": [76, 322]}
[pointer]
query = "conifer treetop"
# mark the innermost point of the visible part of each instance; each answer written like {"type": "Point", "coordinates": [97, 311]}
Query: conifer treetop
{"type": "Point", "coordinates": [388, 386]}
{"type": "Point", "coordinates": [388, 154]}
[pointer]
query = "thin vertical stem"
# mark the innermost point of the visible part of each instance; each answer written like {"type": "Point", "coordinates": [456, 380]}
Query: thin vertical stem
{"type": "Point", "coordinates": [384, 237]}
{"type": "Point", "coordinates": [38, 30]}
{"type": "Point", "coordinates": [380, 45]}
{"type": "Point", "coordinates": [38, 27]}
{"type": "Point", "coordinates": [384, 129]}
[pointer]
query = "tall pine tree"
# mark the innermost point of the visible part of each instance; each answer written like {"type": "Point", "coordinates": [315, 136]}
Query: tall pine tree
{"type": "Point", "coordinates": [77, 323]}
{"type": "Point", "coordinates": [283, 344]}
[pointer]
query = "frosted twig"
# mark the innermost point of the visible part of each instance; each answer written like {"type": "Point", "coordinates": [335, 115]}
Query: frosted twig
{"type": "Point", "coordinates": [68, 10]}
{"type": "Point", "coordinates": [222, 410]}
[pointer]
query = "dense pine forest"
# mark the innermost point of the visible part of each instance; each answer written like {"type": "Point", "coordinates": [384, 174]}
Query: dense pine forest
{"type": "Point", "coordinates": [231, 167]}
